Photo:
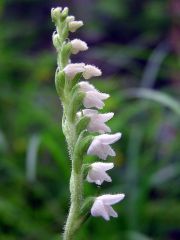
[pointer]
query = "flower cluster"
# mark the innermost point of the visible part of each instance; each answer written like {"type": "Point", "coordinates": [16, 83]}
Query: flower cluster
{"type": "Point", "coordinates": [81, 103]}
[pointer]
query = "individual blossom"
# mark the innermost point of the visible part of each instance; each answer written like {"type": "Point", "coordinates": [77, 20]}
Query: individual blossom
{"type": "Point", "coordinates": [74, 25]}
{"type": "Point", "coordinates": [97, 120]}
{"type": "Point", "coordinates": [93, 98]}
{"type": "Point", "coordinates": [97, 172]}
{"type": "Point", "coordinates": [73, 68]}
{"type": "Point", "coordinates": [100, 146]}
{"type": "Point", "coordinates": [102, 206]}
{"type": "Point", "coordinates": [78, 45]}
{"type": "Point", "coordinates": [91, 71]}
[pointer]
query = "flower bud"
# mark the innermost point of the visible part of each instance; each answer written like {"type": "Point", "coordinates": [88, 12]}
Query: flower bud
{"type": "Point", "coordinates": [56, 40]}
{"type": "Point", "coordinates": [64, 13]}
{"type": "Point", "coordinates": [74, 25]}
{"type": "Point", "coordinates": [70, 18]}
{"type": "Point", "coordinates": [56, 13]}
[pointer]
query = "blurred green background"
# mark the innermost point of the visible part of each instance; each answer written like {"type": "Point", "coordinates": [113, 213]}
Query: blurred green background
{"type": "Point", "coordinates": [136, 43]}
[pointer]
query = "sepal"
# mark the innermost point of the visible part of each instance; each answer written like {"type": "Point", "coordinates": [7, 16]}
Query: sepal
{"type": "Point", "coordinates": [64, 13]}
{"type": "Point", "coordinates": [75, 104]}
{"type": "Point", "coordinates": [75, 80]}
{"type": "Point", "coordinates": [56, 40]}
{"type": "Point", "coordinates": [65, 53]}
{"type": "Point", "coordinates": [86, 206]}
{"type": "Point", "coordinates": [59, 82]}
{"type": "Point", "coordinates": [81, 146]}
{"type": "Point", "coordinates": [82, 124]}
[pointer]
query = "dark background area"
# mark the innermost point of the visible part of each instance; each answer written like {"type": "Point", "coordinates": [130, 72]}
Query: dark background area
{"type": "Point", "coordinates": [137, 45]}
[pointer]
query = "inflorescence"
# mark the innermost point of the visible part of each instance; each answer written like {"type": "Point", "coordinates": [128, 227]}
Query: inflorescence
{"type": "Point", "coordinates": [83, 125]}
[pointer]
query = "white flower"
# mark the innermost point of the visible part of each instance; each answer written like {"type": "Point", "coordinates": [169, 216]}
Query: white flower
{"type": "Point", "coordinates": [91, 71]}
{"type": "Point", "coordinates": [73, 68]}
{"type": "Point", "coordinates": [93, 98]}
{"type": "Point", "coordinates": [78, 45]}
{"type": "Point", "coordinates": [97, 121]}
{"type": "Point", "coordinates": [97, 172]}
{"type": "Point", "coordinates": [100, 145]}
{"type": "Point", "coordinates": [102, 206]}
{"type": "Point", "coordinates": [74, 25]}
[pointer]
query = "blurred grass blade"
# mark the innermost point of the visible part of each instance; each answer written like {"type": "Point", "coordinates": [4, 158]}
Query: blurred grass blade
{"type": "Point", "coordinates": [3, 142]}
{"type": "Point", "coordinates": [132, 176]}
{"type": "Point", "coordinates": [153, 65]}
{"type": "Point", "coordinates": [137, 236]}
{"type": "Point", "coordinates": [31, 158]}
{"type": "Point", "coordinates": [153, 95]}
{"type": "Point", "coordinates": [165, 174]}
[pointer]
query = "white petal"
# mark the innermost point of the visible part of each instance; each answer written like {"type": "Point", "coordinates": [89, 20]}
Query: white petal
{"type": "Point", "coordinates": [98, 209]}
{"type": "Point", "coordinates": [89, 111]}
{"type": "Point", "coordinates": [96, 126]}
{"type": "Point", "coordinates": [73, 68]}
{"type": "Point", "coordinates": [106, 177]}
{"type": "Point", "coordinates": [85, 86]}
{"type": "Point", "coordinates": [97, 120]}
{"type": "Point", "coordinates": [103, 166]}
{"type": "Point", "coordinates": [102, 96]}
{"type": "Point", "coordinates": [109, 138]}
{"type": "Point", "coordinates": [111, 152]}
{"type": "Point", "coordinates": [106, 116]}
{"type": "Point", "coordinates": [70, 18]}
{"type": "Point", "coordinates": [74, 25]}
{"type": "Point", "coordinates": [78, 45]}
{"type": "Point", "coordinates": [111, 211]}
{"type": "Point", "coordinates": [91, 100]}
{"type": "Point", "coordinates": [91, 71]}
{"type": "Point", "coordinates": [109, 199]}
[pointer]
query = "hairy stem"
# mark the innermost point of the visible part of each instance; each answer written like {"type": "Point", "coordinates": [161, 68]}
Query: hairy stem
{"type": "Point", "coordinates": [72, 223]}
{"type": "Point", "coordinates": [76, 182]}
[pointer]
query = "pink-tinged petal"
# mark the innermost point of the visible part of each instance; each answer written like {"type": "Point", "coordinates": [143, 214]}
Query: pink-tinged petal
{"type": "Point", "coordinates": [111, 211]}
{"type": "Point", "coordinates": [85, 86]}
{"type": "Point", "coordinates": [109, 138]}
{"type": "Point", "coordinates": [98, 210]}
{"type": "Point", "coordinates": [109, 199]}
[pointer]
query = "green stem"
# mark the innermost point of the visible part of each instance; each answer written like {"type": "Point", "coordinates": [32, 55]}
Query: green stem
{"type": "Point", "coordinates": [76, 182]}
{"type": "Point", "coordinates": [72, 223]}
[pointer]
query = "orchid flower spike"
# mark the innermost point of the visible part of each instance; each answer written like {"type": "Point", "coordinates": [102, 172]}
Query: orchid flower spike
{"type": "Point", "coordinates": [93, 98]}
{"type": "Point", "coordinates": [78, 45]}
{"type": "Point", "coordinates": [97, 172]}
{"type": "Point", "coordinates": [100, 145]}
{"type": "Point", "coordinates": [102, 206]}
{"type": "Point", "coordinates": [97, 120]}
{"type": "Point", "coordinates": [79, 121]}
